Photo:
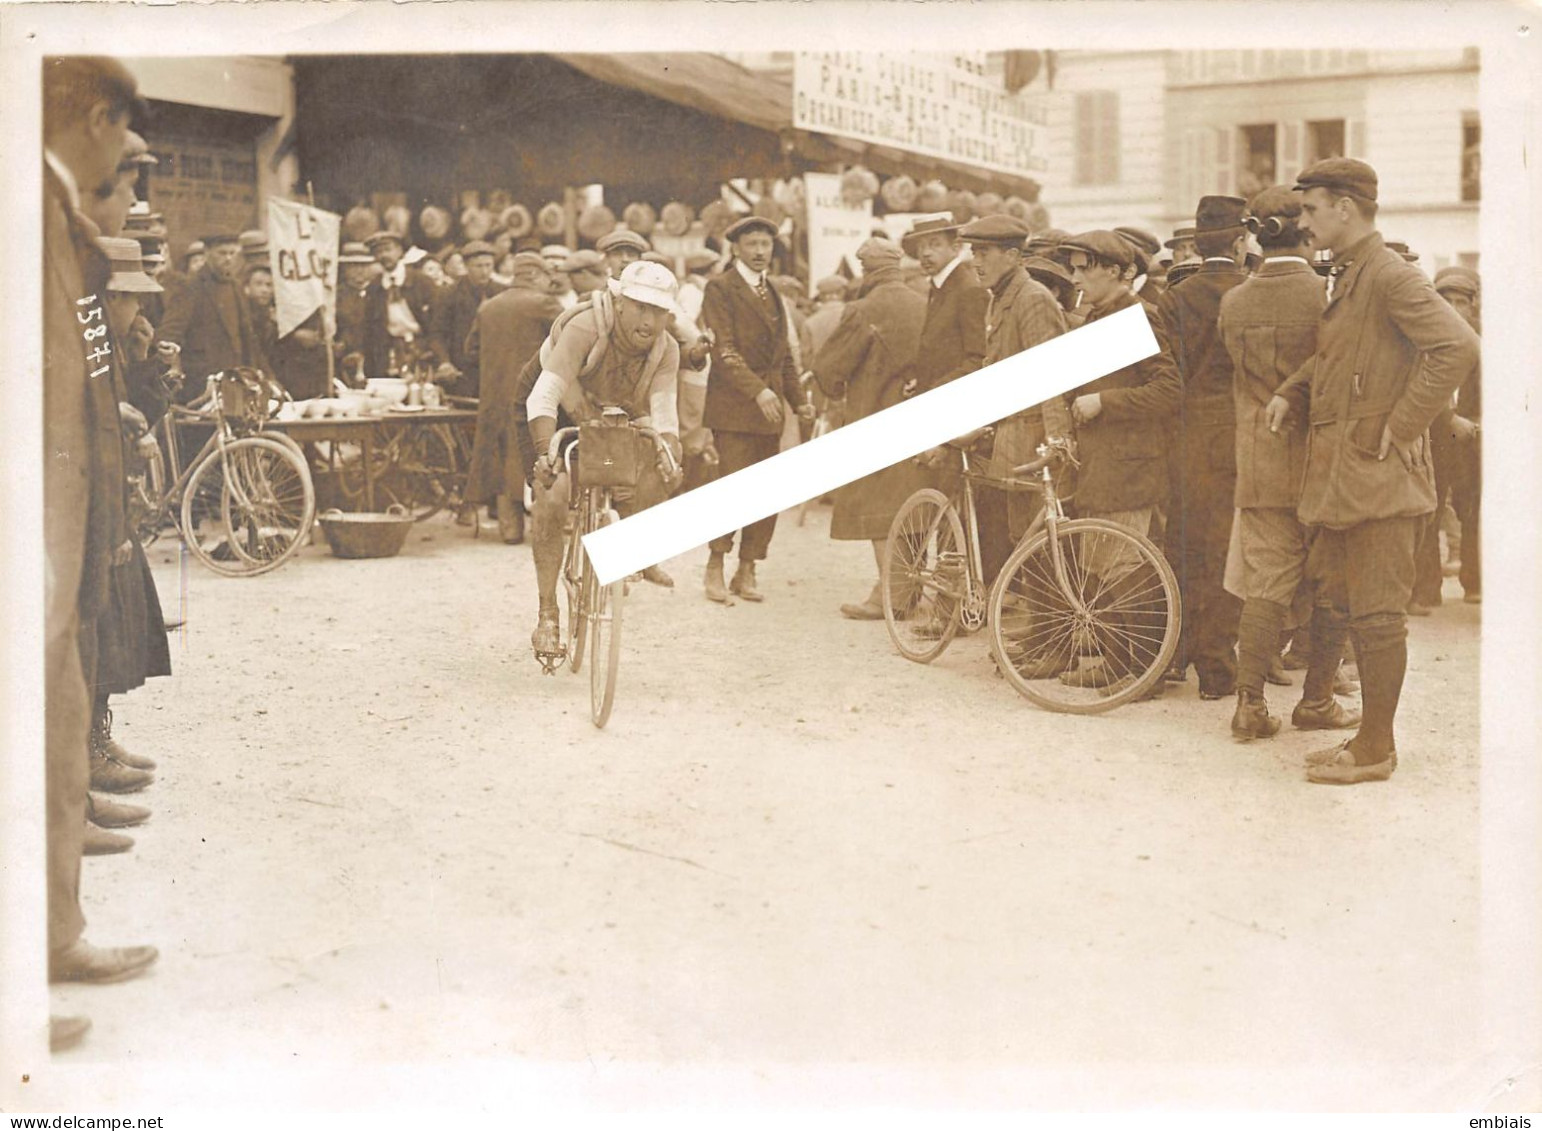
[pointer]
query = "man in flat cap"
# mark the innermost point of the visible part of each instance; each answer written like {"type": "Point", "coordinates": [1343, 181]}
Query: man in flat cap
{"type": "Point", "coordinates": [868, 361]}
{"type": "Point", "coordinates": [1119, 434]}
{"type": "Point", "coordinates": [87, 105]}
{"type": "Point", "coordinates": [1268, 326]}
{"type": "Point", "coordinates": [586, 273]}
{"type": "Point", "coordinates": [454, 316]}
{"type": "Point", "coordinates": [211, 319]}
{"type": "Point", "coordinates": [398, 309]}
{"type": "Point", "coordinates": [1390, 355]}
{"type": "Point", "coordinates": [507, 332]}
{"type": "Point", "coordinates": [1020, 314]}
{"type": "Point", "coordinates": [1148, 285]}
{"type": "Point", "coordinates": [752, 383]}
{"type": "Point", "coordinates": [621, 248]}
{"type": "Point", "coordinates": [1200, 511]}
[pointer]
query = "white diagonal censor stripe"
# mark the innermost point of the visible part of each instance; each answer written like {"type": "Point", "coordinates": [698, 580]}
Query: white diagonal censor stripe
{"type": "Point", "coordinates": [871, 444]}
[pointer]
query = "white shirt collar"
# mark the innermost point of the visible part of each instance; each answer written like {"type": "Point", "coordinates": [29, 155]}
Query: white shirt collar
{"type": "Point", "coordinates": [1268, 259]}
{"type": "Point", "coordinates": [396, 276]}
{"type": "Point", "coordinates": [66, 178]}
{"type": "Point", "coordinates": [753, 278]}
{"type": "Point", "coordinates": [1220, 259]}
{"type": "Point", "coordinates": [942, 276]}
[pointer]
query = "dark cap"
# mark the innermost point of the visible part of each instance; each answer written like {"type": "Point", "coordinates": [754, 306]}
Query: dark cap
{"type": "Point", "coordinates": [476, 247]}
{"type": "Point", "coordinates": [1105, 245]}
{"type": "Point", "coordinates": [219, 238]}
{"type": "Point", "coordinates": [622, 237]}
{"type": "Point", "coordinates": [998, 229]}
{"type": "Point", "coordinates": [582, 260]}
{"type": "Point", "coordinates": [1340, 174]}
{"type": "Point", "coordinates": [749, 224]}
{"type": "Point", "coordinates": [1276, 200]}
{"type": "Point", "coordinates": [1457, 278]}
{"type": "Point", "coordinates": [1219, 213]}
{"type": "Point", "coordinates": [1045, 270]}
{"type": "Point", "coordinates": [1141, 239]}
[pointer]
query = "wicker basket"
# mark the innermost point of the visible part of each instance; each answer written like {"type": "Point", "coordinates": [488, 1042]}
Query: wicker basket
{"type": "Point", "coordinates": [366, 534]}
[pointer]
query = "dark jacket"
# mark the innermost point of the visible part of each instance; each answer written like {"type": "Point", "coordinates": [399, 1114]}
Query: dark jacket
{"type": "Point", "coordinates": [1390, 353]}
{"type": "Point", "coordinates": [300, 368]}
{"type": "Point", "coordinates": [1023, 314]}
{"type": "Point", "coordinates": [752, 353]}
{"type": "Point", "coordinates": [351, 319]}
{"type": "Point", "coordinates": [507, 333]}
{"type": "Point", "coordinates": [1123, 450]}
{"type": "Point", "coordinates": [455, 313]}
{"type": "Point", "coordinates": [1188, 312]}
{"type": "Point", "coordinates": [419, 290]}
{"type": "Point", "coordinates": [1269, 328]}
{"type": "Point", "coordinates": [213, 334]}
{"type": "Point", "coordinates": [953, 331]}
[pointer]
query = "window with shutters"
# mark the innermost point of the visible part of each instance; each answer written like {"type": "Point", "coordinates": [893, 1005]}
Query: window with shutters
{"type": "Point", "coordinates": [1472, 180]}
{"type": "Point", "coordinates": [1097, 137]}
{"type": "Point", "coordinates": [1257, 161]}
{"type": "Point", "coordinates": [1324, 139]}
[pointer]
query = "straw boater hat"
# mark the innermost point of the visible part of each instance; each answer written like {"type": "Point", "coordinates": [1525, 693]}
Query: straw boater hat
{"type": "Point", "coordinates": [128, 272]}
{"type": "Point", "coordinates": [516, 220]}
{"type": "Point", "coordinates": [941, 223]}
{"type": "Point", "coordinates": [354, 252]}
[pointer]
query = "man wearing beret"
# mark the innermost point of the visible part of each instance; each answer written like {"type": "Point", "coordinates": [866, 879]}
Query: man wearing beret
{"type": "Point", "coordinates": [1390, 355]}
{"type": "Point", "coordinates": [506, 333]}
{"type": "Point", "coordinates": [1020, 314]}
{"type": "Point", "coordinates": [398, 305]}
{"type": "Point", "coordinates": [1200, 511]}
{"type": "Point", "coordinates": [211, 321]}
{"type": "Point", "coordinates": [753, 381]}
{"type": "Point", "coordinates": [867, 361]}
{"type": "Point", "coordinates": [455, 315]}
{"type": "Point", "coordinates": [1119, 418]}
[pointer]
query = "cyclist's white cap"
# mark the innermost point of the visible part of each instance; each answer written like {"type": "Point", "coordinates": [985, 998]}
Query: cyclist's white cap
{"type": "Point", "coordinates": [650, 283]}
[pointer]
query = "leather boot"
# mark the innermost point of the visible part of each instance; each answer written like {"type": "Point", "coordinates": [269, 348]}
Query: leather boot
{"type": "Point", "coordinates": [1381, 645]}
{"type": "Point", "coordinates": [108, 774]}
{"type": "Point", "coordinates": [655, 575]}
{"type": "Point", "coordinates": [1252, 718]}
{"type": "Point", "coordinates": [105, 813]}
{"type": "Point", "coordinates": [103, 724]}
{"type": "Point", "coordinates": [716, 589]}
{"type": "Point", "coordinates": [1258, 634]}
{"type": "Point", "coordinates": [743, 583]}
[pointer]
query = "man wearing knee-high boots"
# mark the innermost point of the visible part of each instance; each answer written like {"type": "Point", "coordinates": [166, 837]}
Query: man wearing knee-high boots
{"type": "Point", "coordinates": [1268, 326]}
{"type": "Point", "coordinates": [1390, 353]}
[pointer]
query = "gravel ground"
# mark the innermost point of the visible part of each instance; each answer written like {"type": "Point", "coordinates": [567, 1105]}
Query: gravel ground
{"type": "Point", "coordinates": [380, 834]}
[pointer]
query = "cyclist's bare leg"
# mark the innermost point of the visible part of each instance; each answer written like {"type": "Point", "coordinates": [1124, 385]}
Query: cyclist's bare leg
{"type": "Point", "coordinates": [546, 536]}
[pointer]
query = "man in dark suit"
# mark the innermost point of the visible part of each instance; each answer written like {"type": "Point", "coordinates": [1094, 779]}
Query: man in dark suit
{"type": "Point", "coordinates": [508, 331]}
{"type": "Point", "coordinates": [398, 308]}
{"type": "Point", "coordinates": [953, 330]}
{"type": "Point", "coordinates": [753, 376]}
{"type": "Point", "coordinates": [87, 103]}
{"type": "Point", "coordinates": [211, 320]}
{"type": "Point", "coordinates": [1201, 508]}
{"type": "Point", "coordinates": [456, 313]}
{"type": "Point", "coordinates": [868, 361]}
{"type": "Point", "coordinates": [1390, 355]}
{"type": "Point", "coordinates": [356, 266]}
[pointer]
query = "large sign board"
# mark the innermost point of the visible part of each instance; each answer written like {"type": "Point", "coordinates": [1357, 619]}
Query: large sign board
{"type": "Point", "coordinates": [940, 105]}
{"type": "Point", "coordinates": [836, 227]}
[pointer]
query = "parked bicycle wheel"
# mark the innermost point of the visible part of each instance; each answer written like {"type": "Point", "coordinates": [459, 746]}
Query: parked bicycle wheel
{"type": "Point", "coordinates": [925, 576]}
{"type": "Point", "coordinates": [422, 474]}
{"type": "Point", "coordinates": [1086, 622]}
{"type": "Point", "coordinates": [247, 508]}
{"type": "Point", "coordinates": [605, 638]}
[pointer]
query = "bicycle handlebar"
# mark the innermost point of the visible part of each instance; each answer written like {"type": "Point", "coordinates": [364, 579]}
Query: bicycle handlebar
{"type": "Point", "coordinates": [669, 467]}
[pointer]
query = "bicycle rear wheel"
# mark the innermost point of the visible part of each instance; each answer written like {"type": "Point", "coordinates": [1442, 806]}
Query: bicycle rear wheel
{"type": "Point", "coordinates": [423, 473]}
{"type": "Point", "coordinates": [925, 576]}
{"type": "Point", "coordinates": [247, 510]}
{"type": "Point", "coordinates": [605, 639]}
{"type": "Point", "coordinates": [578, 588]}
{"type": "Point", "coordinates": [1109, 651]}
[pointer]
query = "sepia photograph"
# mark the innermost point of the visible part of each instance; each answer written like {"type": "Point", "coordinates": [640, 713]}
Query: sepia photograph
{"type": "Point", "coordinates": [624, 557]}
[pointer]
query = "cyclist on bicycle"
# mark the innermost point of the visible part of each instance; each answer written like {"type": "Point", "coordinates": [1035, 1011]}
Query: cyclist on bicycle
{"type": "Point", "coordinates": [614, 351]}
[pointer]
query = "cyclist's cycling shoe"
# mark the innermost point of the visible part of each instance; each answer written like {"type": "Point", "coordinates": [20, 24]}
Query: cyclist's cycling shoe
{"type": "Point", "coordinates": [546, 640]}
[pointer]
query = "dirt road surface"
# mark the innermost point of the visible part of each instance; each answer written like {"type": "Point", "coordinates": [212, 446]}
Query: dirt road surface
{"type": "Point", "coordinates": [380, 834]}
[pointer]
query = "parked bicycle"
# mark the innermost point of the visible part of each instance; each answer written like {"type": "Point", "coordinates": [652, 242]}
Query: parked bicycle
{"type": "Point", "coordinates": [1084, 615]}
{"type": "Point", "coordinates": [245, 503]}
{"type": "Point", "coordinates": [593, 609]}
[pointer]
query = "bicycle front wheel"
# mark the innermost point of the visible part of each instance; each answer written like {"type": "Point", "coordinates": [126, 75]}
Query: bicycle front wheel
{"type": "Point", "coordinates": [605, 639]}
{"type": "Point", "coordinates": [1086, 621]}
{"type": "Point", "coordinates": [578, 587]}
{"type": "Point", "coordinates": [246, 510]}
{"type": "Point", "coordinates": [925, 576]}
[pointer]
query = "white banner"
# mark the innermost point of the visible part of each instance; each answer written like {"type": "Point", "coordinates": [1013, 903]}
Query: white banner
{"type": "Point", "coordinates": [302, 250]}
{"type": "Point", "coordinates": [835, 229]}
{"type": "Point", "coordinates": [942, 105]}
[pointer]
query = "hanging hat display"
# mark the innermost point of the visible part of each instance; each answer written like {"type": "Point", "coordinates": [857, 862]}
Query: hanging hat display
{"type": "Point", "coordinates": [398, 218]}
{"type": "Point", "coordinates": [716, 217]}
{"type": "Point", "coordinates": [596, 221]}
{"type": "Point", "coordinates": [550, 220]}
{"type": "Point", "coordinates": [769, 208]}
{"type": "Point", "coordinates": [988, 204]}
{"type": "Point", "coordinates": [858, 184]}
{"type": "Point", "coordinates": [640, 217]}
{"type": "Point", "coordinates": [676, 218]}
{"type": "Point", "coordinates": [932, 197]}
{"type": "Point", "coordinates": [1016, 207]}
{"type": "Point", "coordinates": [360, 223]}
{"type": "Point", "coordinates": [475, 223]}
{"type": "Point", "coordinates": [516, 220]}
{"type": "Point", "coordinates": [434, 222]}
{"type": "Point", "coordinates": [961, 203]}
{"type": "Point", "coordinates": [1038, 217]}
{"type": "Point", "coordinates": [899, 193]}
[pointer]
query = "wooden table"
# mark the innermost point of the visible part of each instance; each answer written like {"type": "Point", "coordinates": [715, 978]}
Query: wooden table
{"type": "Point", "coordinates": [363, 430]}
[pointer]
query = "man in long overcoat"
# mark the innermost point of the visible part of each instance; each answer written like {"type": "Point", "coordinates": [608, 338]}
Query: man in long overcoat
{"type": "Point", "coordinates": [1390, 355]}
{"type": "Point", "coordinates": [508, 330]}
{"type": "Point", "coordinates": [753, 381]}
{"type": "Point", "coordinates": [868, 361]}
{"type": "Point", "coordinates": [212, 321]}
{"type": "Point", "coordinates": [455, 314]}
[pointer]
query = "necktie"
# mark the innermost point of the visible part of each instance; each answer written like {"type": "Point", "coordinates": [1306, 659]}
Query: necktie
{"type": "Point", "coordinates": [762, 290]}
